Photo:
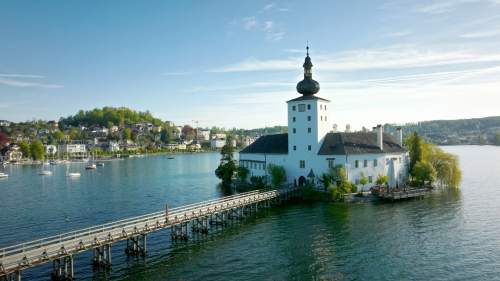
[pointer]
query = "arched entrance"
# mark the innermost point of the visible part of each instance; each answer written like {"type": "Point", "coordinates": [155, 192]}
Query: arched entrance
{"type": "Point", "coordinates": [302, 181]}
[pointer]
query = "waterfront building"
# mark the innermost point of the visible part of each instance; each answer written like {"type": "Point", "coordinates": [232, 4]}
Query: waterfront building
{"type": "Point", "coordinates": [50, 149]}
{"type": "Point", "coordinates": [311, 147]}
{"type": "Point", "coordinates": [202, 135]}
{"type": "Point", "coordinates": [11, 153]}
{"type": "Point", "coordinates": [217, 142]}
{"type": "Point", "coordinates": [73, 149]}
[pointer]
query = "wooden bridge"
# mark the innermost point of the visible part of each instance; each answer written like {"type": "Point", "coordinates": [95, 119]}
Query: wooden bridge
{"type": "Point", "coordinates": [193, 218]}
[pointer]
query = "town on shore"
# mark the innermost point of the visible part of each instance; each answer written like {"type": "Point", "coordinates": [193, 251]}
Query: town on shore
{"type": "Point", "coordinates": [110, 133]}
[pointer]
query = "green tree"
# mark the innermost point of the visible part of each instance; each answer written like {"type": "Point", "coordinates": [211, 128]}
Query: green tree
{"type": "Point", "coordinates": [448, 172]}
{"type": "Point", "coordinates": [127, 134]}
{"type": "Point", "coordinates": [363, 180]}
{"type": "Point", "coordinates": [58, 136]}
{"type": "Point", "coordinates": [326, 180]}
{"type": "Point", "coordinates": [278, 174]}
{"type": "Point", "coordinates": [166, 135]}
{"type": "Point", "coordinates": [73, 133]}
{"type": "Point", "coordinates": [243, 173]}
{"type": "Point", "coordinates": [415, 146]}
{"type": "Point", "coordinates": [382, 180]}
{"type": "Point", "coordinates": [339, 174]}
{"type": "Point", "coordinates": [424, 173]}
{"type": "Point", "coordinates": [227, 166]}
{"type": "Point", "coordinates": [37, 150]}
{"type": "Point", "coordinates": [24, 146]}
{"type": "Point", "coordinates": [497, 138]}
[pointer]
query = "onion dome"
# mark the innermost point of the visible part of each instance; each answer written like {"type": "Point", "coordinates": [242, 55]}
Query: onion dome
{"type": "Point", "coordinates": [308, 86]}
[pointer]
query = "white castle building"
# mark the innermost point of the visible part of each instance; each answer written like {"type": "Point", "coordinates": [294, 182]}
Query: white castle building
{"type": "Point", "coordinates": [311, 148]}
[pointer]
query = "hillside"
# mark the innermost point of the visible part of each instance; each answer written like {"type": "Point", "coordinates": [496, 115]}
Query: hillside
{"type": "Point", "coordinates": [108, 116]}
{"type": "Point", "coordinates": [452, 132]}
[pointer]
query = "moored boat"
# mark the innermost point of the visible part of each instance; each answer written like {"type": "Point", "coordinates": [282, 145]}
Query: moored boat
{"type": "Point", "coordinates": [90, 167]}
{"type": "Point", "coordinates": [100, 164]}
{"type": "Point", "coordinates": [3, 175]}
{"type": "Point", "coordinates": [74, 175]}
{"type": "Point", "coordinates": [45, 173]}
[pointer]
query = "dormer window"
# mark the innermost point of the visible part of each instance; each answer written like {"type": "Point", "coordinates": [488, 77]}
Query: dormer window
{"type": "Point", "coordinates": [302, 107]}
{"type": "Point", "coordinates": [293, 119]}
{"type": "Point", "coordinates": [308, 107]}
{"type": "Point", "coordinates": [293, 108]}
{"type": "Point", "coordinates": [309, 118]}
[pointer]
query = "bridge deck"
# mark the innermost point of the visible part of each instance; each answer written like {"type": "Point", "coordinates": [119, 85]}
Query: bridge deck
{"type": "Point", "coordinates": [17, 257]}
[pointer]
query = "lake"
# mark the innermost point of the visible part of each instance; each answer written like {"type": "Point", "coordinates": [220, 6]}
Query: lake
{"type": "Point", "coordinates": [450, 235]}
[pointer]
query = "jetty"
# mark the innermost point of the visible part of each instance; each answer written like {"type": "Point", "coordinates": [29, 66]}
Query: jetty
{"type": "Point", "coordinates": [400, 194]}
{"type": "Point", "coordinates": [182, 221]}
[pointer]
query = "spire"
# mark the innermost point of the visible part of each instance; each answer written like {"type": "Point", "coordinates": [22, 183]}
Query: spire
{"type": "Point", "coordinates": [307, 86]}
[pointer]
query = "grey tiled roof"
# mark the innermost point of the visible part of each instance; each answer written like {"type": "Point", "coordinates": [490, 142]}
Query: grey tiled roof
{"type": "Point", "coordinates": [357, 143]}
{"type": "Point", "coordinates": [277, 144]}
{"type": "Point", "coordinates": [308, 97]}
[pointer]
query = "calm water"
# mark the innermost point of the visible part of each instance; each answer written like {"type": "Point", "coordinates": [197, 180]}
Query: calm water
{"type": "Point", "coordinates": [452, 235]}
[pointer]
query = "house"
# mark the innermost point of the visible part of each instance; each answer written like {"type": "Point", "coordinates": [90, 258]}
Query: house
{"type": "Point", "coordinates": [217, 143]}
{"type": "Point", "coordinates": [11, 153]}
{"type": "Point", "coordinates": [246, 141]}
{"type": "Point", "coordinates": [311, 148]}
{"type": "Point", "coordinates": [202, 135]}
{"type": "Point", "coordinates": [74, 149]}
{"type": "Point", "coordinates": [4, 123]}
{"type": "Point", "coordinates": [50, 149]}
{"type": "Point", "coordinates": [111, 146]}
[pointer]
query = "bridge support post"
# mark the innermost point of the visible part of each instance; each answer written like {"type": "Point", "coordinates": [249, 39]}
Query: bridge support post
{"type": "Point", "coordinates": [102, 256]}
{"type": "Point", "coordinates": [14, 276]}
{"type": "Point", "coordinates": [62, 269]}
{"type": "Point", "coordinates": [136, 245]}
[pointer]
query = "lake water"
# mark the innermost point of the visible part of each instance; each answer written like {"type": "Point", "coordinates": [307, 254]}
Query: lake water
{"type": "Point", "coordinates": [451, 235]}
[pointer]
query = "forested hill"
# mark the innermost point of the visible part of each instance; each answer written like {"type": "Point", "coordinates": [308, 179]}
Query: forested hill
{"type": "Point", "coordinates": [109, 116]}
{"type": "Point", "coordinates": [449, 132]}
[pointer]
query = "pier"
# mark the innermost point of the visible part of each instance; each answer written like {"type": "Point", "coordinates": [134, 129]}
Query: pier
{"type": "Point", "coordinates": [182, 221]}
{"type": "Point", "coordinates": [401, 194]}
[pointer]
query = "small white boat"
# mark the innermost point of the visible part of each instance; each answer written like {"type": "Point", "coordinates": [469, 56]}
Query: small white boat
{"type": "Point", "coordinates": [90, 167]}
{"type": "Point", "coordinates": [3, 175]}
{"type": "Point", "coordinates": [74, 175]}
{"type": "Point", "coordinates": [100, 164]}
{"type": "Point", "coordinates": [45, 173]}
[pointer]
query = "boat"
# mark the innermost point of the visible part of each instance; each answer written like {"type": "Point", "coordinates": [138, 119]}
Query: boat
{"type": "Point", "coordinates": [90, 167]}
{"type": "Point", "coordinates": [100, 164]}
{"type": "Point", "coordinates": [3, 175]}
{"type": "Point", "coordinates": [53, 162]}
{"type": "Point", "coordinates": [171, 157]}
{"type": "Point", "coordinates": [45, 173]}
{"type": "Point", "coordinates": [74, 175]}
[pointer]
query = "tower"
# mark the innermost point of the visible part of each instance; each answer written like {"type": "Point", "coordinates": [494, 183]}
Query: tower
{"type": "Point", "coordinates": [308, 121]}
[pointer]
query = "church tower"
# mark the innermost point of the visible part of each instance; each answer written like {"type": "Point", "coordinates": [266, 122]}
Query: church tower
{"type": "Point", "coordinates": [308, 122]}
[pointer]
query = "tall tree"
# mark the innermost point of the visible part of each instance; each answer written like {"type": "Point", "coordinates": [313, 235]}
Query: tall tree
{"type": "Point", "coordinates": [227, 166]}
{"type": "Point", "coordinates": [278, 174]}
{"type": "Point", "coordinates": [24, 146]}
{"type": "Point", "coordinates": [37, 150]}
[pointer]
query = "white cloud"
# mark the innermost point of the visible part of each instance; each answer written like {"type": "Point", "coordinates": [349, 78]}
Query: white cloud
{"type": "Point", "coordinates": [275, 36]}
{"type": "Point", "coordinates": [393, 57]}
{"type": "Point", "coordinates": [481, 34]}
{"type": "Point", "coordinates": [268, 25]}
{"type": "Point", "coordinates": [22, 80]}
{"type": "Point", "coordinates": [249, 23]}
{"type": "Point", "coordinates": [269, 6]}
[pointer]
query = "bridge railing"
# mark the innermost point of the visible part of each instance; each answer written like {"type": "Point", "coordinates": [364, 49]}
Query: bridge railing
{"type": "Point", "coordinates": [125, 224]}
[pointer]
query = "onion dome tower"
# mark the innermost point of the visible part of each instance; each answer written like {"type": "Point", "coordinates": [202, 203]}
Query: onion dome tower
{"type": "Point", "coordinates": [308, 86]}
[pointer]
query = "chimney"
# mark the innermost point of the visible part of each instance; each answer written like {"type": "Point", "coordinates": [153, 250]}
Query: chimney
{"type": "Point", "coordinates": [399, 135]}
{"type": "Point", "coordinates": [380, 137]}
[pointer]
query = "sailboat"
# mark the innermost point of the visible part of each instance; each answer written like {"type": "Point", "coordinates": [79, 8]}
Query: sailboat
{"type": "Point", "coordinates": [3, 175]}
{"type": "Point", "coordinates": [91, 165]}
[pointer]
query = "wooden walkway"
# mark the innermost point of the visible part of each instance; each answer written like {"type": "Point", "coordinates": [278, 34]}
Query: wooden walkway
{"type": "Point", "coordinates": [182, 221]}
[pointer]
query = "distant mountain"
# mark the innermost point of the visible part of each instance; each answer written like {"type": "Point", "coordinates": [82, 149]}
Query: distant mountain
{"type": "Point", "coordinates": [452, 132]}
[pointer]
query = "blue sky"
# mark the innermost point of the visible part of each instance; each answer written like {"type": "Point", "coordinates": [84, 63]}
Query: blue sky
{"type": "Point", "coordinates": [235, 63]}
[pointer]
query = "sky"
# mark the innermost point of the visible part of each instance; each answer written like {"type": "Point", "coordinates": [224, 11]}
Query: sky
{"type": "Point", "coordinates": [236, 63]}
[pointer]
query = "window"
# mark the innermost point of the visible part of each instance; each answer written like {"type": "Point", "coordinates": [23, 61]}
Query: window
{"type": "Point", "coordinates": [309, 118]}
{"type": "Point", "coordinates": [321, 117]}
{"type": "Point", "coordinates": [302, 107]}
{"type": "Point", "coordinates": [309, 147]}
{"type": "Point", "coordinates": [325, 106]}
{"type": "Point", "coordinates": [294, 147]}
{"type": "Point", "coordinates": [356, 164]}
{"type": "Point", "coordinates": [264, 166]}
{"type": "Point", "coordinates": [331, 163]}
{"type": "Point", "coordinates": [293, 108]}
{"type": "Point", "coordinates": [365, 163]}
{"type": "Point", "coordinates": [293, 119]}
{"type": "Point", "coordinates": [370, 179]}
{"type": "Point", "coordinates": [302, 164]}
{"type": "Point", "coordinates": [357, 181]}
{"type": "Point", "coordinates": [308, 107]}
{"type": "Point", "coordinates": [325, 118]}
{"type": "Point", "coordinates": [294, 131]}
{"type": "Point", "coordinates": [308, 130]}
{"type": "Point", "coordinates": [375, 162]}
{"type": "Point", "coordinates": [320, 106]}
